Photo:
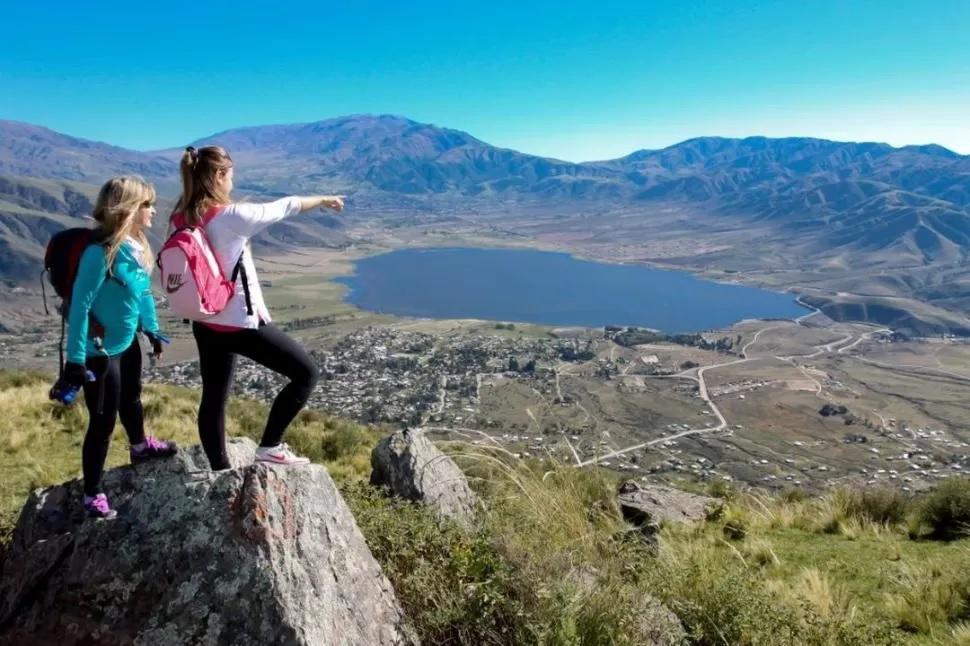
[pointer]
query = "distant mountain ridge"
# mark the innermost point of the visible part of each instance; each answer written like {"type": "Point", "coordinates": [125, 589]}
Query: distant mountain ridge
{"type": "Point", "coordinates": [396, 155]}
{"type": "Point", "coordinates": [391, 155]}
{"type": "Point", "coordinates": [35, 151]}
{"type": "Point", "coordinates": [864, 195]}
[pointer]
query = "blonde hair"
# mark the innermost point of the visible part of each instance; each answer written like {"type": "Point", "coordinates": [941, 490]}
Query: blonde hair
{"type": "Point", "coordinates": [200, 189]}
{"type": "Point", "coordinates": [118, 202]}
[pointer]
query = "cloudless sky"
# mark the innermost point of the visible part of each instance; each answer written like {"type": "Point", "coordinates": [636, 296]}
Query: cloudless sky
{"type": "Point", "coordinates": [573, 80]}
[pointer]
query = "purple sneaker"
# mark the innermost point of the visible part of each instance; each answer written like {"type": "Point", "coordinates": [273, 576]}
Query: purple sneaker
{"type": "Point", "coordinates": [97, 507]}
{"type": "Point", "coordinates": [151, 448]}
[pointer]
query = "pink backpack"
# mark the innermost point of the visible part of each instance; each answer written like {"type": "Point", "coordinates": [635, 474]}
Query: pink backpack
{"type": "Point", "coordinates": [193, 280]}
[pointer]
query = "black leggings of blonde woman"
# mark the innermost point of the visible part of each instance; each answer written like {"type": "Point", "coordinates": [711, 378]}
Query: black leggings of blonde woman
{"type": "Point", "coordinates": [115, 392]}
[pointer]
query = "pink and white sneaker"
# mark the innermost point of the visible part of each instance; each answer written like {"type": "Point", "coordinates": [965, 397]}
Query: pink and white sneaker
{"type": "Point", "coordinates": [280, 454]}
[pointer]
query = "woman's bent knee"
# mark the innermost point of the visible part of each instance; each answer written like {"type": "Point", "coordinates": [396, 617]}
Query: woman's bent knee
{"type": "Point", "coordinates": [314, 375]}
{"type": "Point", "coordinates": [305, 379]}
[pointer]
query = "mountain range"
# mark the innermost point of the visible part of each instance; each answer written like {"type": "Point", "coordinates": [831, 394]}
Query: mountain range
{"type": "Point", "coordinates": [855, 197]}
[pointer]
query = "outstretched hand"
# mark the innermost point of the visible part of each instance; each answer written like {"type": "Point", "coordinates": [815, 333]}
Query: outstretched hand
{"type": "Point", "coordinates": [335, 202]}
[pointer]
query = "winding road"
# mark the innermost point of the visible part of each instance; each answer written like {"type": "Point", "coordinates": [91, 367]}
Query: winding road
{"type": "Point", "coordinates": [697, 375]}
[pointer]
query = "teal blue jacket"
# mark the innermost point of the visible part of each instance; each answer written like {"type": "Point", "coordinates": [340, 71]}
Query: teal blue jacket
{"type": "Point", "coordinates": [122, 305]}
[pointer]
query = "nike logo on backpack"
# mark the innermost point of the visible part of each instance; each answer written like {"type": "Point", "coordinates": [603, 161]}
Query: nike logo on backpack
{"type": "Point", "coordinates": [175, 283]}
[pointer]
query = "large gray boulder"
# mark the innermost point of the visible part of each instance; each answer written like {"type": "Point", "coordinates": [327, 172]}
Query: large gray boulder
{"type": "Point", "coordinates": [256, 554]}
{"type": "Point", "coordinates": [648, 506]}
{"type": "Point", "coordinates": [412, 467]}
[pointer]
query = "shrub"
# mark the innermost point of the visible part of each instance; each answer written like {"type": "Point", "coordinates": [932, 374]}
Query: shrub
{"type": "Point", "coordinates": [342, 442]}
{"type": "Point", "coordinates": [945, 511]}
{"type": "Point", "coordinates": [847, 511]}
{"type": "Point", "coordinates": [884, 505]}
{"type": "Point", "coordinates": [722, 489]}
{"type": "Point", "coordinates": [454, 588]}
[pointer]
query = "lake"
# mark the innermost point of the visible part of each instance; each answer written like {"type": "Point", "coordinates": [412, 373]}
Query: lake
{"type": "Point", "coordinates": [552, 289]}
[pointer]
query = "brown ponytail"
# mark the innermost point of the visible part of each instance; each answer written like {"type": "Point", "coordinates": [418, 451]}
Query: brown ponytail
{"type": "Point", "coordinates": [200, 170]}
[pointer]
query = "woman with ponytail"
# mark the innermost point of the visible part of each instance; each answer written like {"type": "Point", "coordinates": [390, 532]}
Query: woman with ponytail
{"type": "Point", "coordinates": [113, 288]}
{"type": "Point", "coordinates": [244, 327]}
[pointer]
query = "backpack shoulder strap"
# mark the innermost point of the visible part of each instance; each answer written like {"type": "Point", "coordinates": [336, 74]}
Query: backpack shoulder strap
{"type": "Point", "coordinates": [109, 273]}
{"type": "Point", "coordinates": [240, 269]}
{"type": "Point", "coordinates": [178, 220]}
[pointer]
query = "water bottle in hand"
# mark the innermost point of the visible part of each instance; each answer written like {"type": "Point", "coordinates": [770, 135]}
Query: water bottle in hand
{"type": "Point", "coordinates": [66, 392]}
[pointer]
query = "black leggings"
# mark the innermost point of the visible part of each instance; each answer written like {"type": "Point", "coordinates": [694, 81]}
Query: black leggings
{"type": "Point", "coordinates": [117, 391]}
{"type": "Point", "coordinates": [267, 346]}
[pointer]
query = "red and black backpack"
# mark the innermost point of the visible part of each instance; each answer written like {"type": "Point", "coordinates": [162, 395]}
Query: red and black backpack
{"type": "Point", "coordinates": [61, 261]}
{"type": "Point", "coordinates": [62, 258]}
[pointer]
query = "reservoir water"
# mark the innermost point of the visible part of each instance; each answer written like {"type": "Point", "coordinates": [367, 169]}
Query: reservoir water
{"type": "Point", "coordinates": [552, 289]}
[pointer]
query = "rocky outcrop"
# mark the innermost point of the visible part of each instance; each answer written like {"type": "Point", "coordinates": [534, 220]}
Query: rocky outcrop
{"type": "Point", "coordinates": [647, 506]}
{"type": "Point", "coordinates": [256, 554]}
{"type": "Point", "coordinates": [412, 467]}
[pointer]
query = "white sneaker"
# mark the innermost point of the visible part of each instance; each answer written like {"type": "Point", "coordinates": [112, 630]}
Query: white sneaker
{"type": "Point", "coordinates": [280, 455]}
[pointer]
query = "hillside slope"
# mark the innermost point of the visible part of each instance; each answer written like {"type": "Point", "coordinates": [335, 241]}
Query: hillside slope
{"type": "Point", "coordinates": [554, 561]}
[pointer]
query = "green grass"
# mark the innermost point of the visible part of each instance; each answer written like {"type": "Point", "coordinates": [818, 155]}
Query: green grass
{"type": "Point", "coordinates": [552, 562]}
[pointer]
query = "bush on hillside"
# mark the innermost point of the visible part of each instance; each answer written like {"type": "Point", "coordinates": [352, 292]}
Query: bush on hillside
{"type": "Point", "coordinates": [883, 505]}
{"type": "Point", "coordinates": [455, 588]}
{"type": "Point", "coordinates": [343, 442]}
{"type": "Point", "coordinates": [945, 511]}
{"type": "Point", "coordinates": [722, 489]}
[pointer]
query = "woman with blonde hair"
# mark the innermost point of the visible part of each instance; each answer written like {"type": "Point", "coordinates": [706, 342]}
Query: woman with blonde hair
{"type": "Point", "coordinates": [112, 292]}
{"type": "Point", "coordinates": [244, 326]}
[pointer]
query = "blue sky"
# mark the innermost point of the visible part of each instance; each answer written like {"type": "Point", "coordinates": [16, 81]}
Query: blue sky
{"type": "Point", "coordinates": [578, 81]}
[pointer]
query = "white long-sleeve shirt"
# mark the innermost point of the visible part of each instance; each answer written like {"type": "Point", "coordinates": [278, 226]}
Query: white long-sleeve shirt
{"type": "Point", "coordinates": [228, 234]}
